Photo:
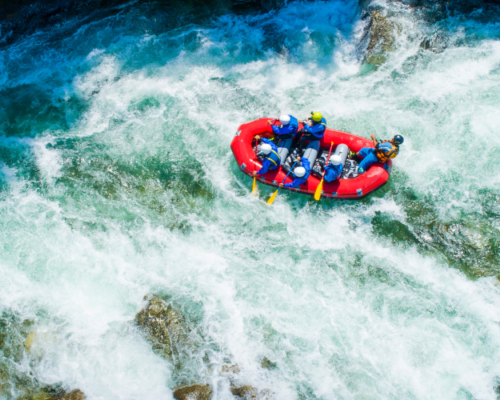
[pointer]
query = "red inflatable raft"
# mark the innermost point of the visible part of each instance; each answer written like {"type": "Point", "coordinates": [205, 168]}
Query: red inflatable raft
{"type": "Point", "coordinates": [353, 188]}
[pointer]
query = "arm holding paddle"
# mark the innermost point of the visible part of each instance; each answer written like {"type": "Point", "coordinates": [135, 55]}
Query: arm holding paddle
{"type": "Point", "coordinates": [271, 199]}
{"type": "Point", "coordinates": [319, 189]}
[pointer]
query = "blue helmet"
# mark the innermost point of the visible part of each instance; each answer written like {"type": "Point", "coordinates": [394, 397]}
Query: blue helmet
{"type": "Point", "coordinates": [398, 139]}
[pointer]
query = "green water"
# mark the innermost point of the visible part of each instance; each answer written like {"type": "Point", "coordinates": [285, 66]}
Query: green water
{"type": "Point", "coordinates": [117, 181]}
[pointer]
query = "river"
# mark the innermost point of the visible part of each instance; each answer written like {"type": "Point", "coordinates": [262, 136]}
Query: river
{"type": "Point", "coordinates": [117, 181]}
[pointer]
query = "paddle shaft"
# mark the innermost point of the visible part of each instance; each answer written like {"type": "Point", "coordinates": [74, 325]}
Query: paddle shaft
{"type": "Point", "coordinates": [328, 159]}
{"type": "Point", "coordinates": [291, 169]}
{"type": "Point", "coordinates": [273, 196]}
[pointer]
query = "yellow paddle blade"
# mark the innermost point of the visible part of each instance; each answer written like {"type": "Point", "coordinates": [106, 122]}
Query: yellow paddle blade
{"type": "Point", "coordinates": [255, 192]}
{"type": "Point", "coordinates": [271, 199]}
{"type": "Point", "coordinates": [319, 189]}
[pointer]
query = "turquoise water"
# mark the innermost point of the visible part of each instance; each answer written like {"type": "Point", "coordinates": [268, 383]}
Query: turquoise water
{"type": "Point", "coordinates": [117, 181]}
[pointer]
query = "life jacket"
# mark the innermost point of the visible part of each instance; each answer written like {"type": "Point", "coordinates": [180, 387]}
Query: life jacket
{"type": "Point", "coordinates": [382, 156]}
{"type": "Point", "coordinates": [319, 133]}
{"type": "Point", "coordinates": [307, 166]}
{"type": "Point", "coordinates": [274, 159]}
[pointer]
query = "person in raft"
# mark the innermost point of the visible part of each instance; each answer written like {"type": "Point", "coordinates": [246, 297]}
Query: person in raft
{"type": "Point", "coordinates": [270, 157]}
{"type": "Point", "coordinates": [333, 169]}
{"type": "Point", "coordinates": [381, 153]}
{"type": "Point", "coordinates": [300, 174]}
{"type": "Point", "coordinates": [314, 128]}
{"type": "Point", "coordinates": [288, 127]}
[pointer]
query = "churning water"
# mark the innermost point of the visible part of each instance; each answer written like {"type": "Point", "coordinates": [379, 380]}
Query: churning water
{"type": "Point", "coordinates": [117, 181]}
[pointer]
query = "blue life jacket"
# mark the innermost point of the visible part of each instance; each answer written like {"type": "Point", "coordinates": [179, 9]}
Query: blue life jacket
{"type": "Point", "coordinates": [332, 172]}
{"type": "Point", "coordinates": [290, 129]}
{"type": "Point", "coordinates": [270, 161]}
{"type": "Point", "coordinates": [299, 181]}
{"type": "Point", "coordinates": [317, 129]}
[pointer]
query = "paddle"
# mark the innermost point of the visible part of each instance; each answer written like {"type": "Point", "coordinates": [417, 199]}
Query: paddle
{"type": "Point", "coordinates": [319, 189]}
{"type": "Point", "coordinates": [255, 192]}
{"type": "Point", "coordinates": [271, 199]}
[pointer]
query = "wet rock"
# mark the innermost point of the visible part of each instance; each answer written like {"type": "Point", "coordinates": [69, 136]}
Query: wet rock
{"type": "Point", "coordinates": [164, 326]}
{"type": "Point", "coordinates": [52, 393]}
{"type": "Point", "coordinates": [248, 392]}
{"type": "Point", "coordinates": [193, 392]}
{"type": "Point", "coordinates": [73, 395]}
{"type": "Point", "coordinates": [436, 43]}
{"type": "Point", "coordinates": [268, 364]}
{"type": "Point", "coordinates": [380, 35]}
{"type": "Point", "coordinates": [233, 369]}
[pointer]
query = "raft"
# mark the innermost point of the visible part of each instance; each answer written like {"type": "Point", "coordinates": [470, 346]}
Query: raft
{"type": "Point", "coordinates": [349, 186]}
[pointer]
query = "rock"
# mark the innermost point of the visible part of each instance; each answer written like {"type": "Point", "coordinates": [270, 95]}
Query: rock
{"type": "Point", "coordinates": [268, 364]}
{"type": "Point", "coordinates": [73, 395]}
{"type": "Point", "coordinates": [194, 392]}
{"type": "Point", "coordinates": [164, 327]}
{"type": "Point", "coordinates": [234, 369]}
{"type": "Point", "coordinates": [436, 43]}
{"type": "Point", "coordinates": [381, 39]}
{"type": "Point", "coordinates": [247, 392]}
{"type": "Point", "coordinates": [52, 393]}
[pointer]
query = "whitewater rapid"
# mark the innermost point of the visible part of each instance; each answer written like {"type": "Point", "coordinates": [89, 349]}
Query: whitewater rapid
{"type": "Point", "coordinates": [117, 181]}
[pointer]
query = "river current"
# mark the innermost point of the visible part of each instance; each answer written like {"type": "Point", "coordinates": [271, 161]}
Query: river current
{"type": "Point", "coordinates": [117, 181]}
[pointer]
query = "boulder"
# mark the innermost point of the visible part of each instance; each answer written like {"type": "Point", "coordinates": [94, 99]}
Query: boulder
{"type": "Point", "coordinates": [164, 326]}
{"type": "Point", "coordinates": [73, 395]}
{"type": "Point", "coordinates": [380, 34]}
{"type": "Point", "coordinates": [436, 43]}
{"type": "Point", "coordinates": [52, 393]}
{"type": "Point", "coordinates": [233, 369]}
{"type": "Point", "coordinates": [193, 392]}
{"type": "Point", "coordinates": [268, 364]}
{"type": "Point", "coordinates": [247, 392]}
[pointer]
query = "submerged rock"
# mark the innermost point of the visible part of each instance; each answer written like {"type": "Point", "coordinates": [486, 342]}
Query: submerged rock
{"type": "Point", "coordinates": [73, 395]}
{"type": "Point", "coordinates": [234, 369]}
{"type": "Point", "coordinates": [436, 43]}
{"type": "Point", "coordinates": [268, 364]}
{"type": "Point", "coordinates": [248, 392]}
{"type": "Point", "coordinates": [193, 392]}
{"type": "Point", "coordinates": [164, 326]}
{"type": "Point", "coordinates": [52, 393]}
{"type": "Point", "coordinates": [381, 38]}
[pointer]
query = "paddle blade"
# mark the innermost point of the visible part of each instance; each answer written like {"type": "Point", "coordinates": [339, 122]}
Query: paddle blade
{"type": "Point", "coordinates": [271, 199]}
{"type": "Point", "coordinates": [255, 192]}
{"type": "Point", "coordinates": [319, 189]}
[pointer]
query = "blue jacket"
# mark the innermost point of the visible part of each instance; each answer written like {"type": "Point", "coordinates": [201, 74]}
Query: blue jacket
{"type": "Point", "coordinates": [290, 129]}
{"type": "Point", "coordinates": [271, 161]}
{"type": "Point", "coordinates": [299, 181]}
{"type": "Point", "coordinates": [332, 172]}
{"type": "Point", "coordinates": [317, 128]}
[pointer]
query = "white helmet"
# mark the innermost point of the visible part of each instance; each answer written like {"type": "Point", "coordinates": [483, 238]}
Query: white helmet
{"type": "Point", "coordinates": [335, 159]}
{"type": "Point", "coordinates": [299, 172]}
{"type": "Point", "coordinates": [285, 119]}
{"type": "Point", "coordinates": [265, 148]}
